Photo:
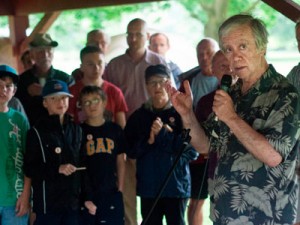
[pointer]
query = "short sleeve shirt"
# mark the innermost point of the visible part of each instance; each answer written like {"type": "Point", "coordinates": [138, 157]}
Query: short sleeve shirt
{"type": "Point", "coordinates": [13, 129]}
{"type": "Point", "coordinates": [202, 85]}
{"type": "Point", "coordinates": [115, 101]}
{"type": "Point", "coordinates": [129, 76]}
{"type": "Point", "coordinates": [294, 76]}
{"type": "Point", "coordinates": [244, 190]}
{"type": "Point", "coordinates": [101, 146]}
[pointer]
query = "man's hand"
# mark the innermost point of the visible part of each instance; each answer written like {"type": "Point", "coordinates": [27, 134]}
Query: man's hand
{"type": "Point", "coordinates": [182, 102]}
{"type": "Point", "coordinates": [223, 106]}
{"type": "Point", "coordinates": [34, 89]}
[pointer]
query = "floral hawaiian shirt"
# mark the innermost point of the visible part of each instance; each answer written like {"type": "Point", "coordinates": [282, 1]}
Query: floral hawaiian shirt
{"type": "Point", "coordinates": [244, 190]}
{"type": "Point", "coordinates": [294, 76]}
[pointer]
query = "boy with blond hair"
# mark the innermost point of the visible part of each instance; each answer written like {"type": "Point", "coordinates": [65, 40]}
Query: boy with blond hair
{"type": "Point", "coordinates": [52, 160]}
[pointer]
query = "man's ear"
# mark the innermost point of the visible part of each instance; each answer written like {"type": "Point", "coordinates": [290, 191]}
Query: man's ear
{"type": "Point", "coordinates": [263, 51]}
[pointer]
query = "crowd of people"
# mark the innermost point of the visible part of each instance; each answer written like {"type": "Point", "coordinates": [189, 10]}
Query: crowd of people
{"type": "Point", "coordinates": [78, 149]}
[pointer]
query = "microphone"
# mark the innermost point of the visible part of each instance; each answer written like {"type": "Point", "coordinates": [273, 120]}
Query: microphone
{"type": "Point", "coordinates": [225, 85]}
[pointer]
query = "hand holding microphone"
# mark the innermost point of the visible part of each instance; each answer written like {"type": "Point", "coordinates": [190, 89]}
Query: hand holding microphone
{"type": "Point", "coordinates": [225, 85]}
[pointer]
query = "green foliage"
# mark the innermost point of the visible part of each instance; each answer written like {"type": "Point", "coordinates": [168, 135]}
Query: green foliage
{"type": "Point", "coordinates": [98, 16]}
{"type": "Point", "coordinates": [195, 9]}
{"type": "Point", "coordinates": [242, 6]}
{"type": "Point", "coordinates": [199, 9]}
{"type": "Point", "coordinates": [212, 13]}
{"type": "Point", "coordinates": [266, 14]}
{"type": "Point", "coordinates": [76, 23]}
{"type": "Point", "coordinates": [3, 21]}
{"type": "Point", "coordinates": [94, 17]}
{"type": "Point", "coordinates": [34, 19]}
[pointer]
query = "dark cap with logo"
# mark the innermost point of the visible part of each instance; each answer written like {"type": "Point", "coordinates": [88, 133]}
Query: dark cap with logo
{"type": "Point", "coordinates": [55, 87]}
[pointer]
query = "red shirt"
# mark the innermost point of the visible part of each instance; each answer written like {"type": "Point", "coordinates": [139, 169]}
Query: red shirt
{"type": "Point", "coordinates": [115, 101]}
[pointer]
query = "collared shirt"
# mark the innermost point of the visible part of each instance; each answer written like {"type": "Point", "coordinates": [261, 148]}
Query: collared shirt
{"type": "Point", "coordinates": [176, 71]}
{"type": "Point", "coordinates": [244, 190]}
{"type": "Point", "coordinates": [294, 76]}
{"type": "Point", "coordinates": [33, 105]}
{"type": "Point", "coordinates": [129, 76]}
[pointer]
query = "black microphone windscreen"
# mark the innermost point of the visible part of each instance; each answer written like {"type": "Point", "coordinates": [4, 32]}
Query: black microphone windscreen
{"type": "Point", "coordinates": [226, 82]}
{"type": "Point", "coordinates": [225, 85]}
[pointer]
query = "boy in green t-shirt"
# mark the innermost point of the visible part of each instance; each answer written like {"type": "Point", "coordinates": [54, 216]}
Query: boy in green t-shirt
{"type": "Point", "coordinates": [14, 187]}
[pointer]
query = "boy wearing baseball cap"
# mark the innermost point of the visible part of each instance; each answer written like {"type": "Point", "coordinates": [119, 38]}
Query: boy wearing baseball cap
{"type": "Point", "coordinates": [52, 160]}
{"type": "Point", "coordinates": [15, 188]}
{"type": "Point", "coordinates": [154, 134]}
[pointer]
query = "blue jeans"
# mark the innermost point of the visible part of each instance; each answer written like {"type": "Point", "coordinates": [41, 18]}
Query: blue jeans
{"type": "Point", "coordinates": [8, 216]}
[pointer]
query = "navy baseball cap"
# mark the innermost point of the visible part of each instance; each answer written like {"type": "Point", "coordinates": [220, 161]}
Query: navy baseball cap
{"type": "Point", "coordinates": [55, 87]}
{"type": "Point", "coordinates": [157, 70]}
{"type": "Point", "coordinates": [7, 71]}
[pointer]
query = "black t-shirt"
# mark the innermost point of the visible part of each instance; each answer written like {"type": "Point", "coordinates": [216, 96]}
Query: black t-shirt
{"type": "Point", "coordinates": [100, 147]}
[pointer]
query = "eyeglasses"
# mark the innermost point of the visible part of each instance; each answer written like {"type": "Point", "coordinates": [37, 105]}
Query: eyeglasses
{"type": "Point", "coordinates": [88, 103]}
{"type": "Point", "coordinates": [154, 83]}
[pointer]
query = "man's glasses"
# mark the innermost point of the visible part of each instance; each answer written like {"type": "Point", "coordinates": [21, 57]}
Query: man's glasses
{"type": "Point", "coordinates": [154, 83]}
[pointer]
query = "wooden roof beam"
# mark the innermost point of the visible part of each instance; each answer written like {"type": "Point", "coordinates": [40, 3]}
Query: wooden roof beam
{"type": "Point", "coordinates": [42, 27]}
{"type": "Point", "coordinates": [288, 8]}
{"type": "Point", "coordinates": [25, 7]}
{"type": "Point", "coordinates": [7, 8]}
{"type": "Point", "coordinates": [17, 27]}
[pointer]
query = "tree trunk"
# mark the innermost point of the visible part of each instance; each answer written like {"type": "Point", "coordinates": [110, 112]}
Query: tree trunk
{"type": "Point", "coordinates": [216, 14]}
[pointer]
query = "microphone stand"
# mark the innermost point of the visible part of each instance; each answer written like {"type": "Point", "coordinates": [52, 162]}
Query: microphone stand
{"type": "Point", "coordinates": [186, 140]}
